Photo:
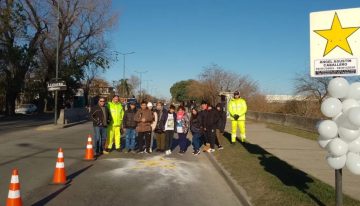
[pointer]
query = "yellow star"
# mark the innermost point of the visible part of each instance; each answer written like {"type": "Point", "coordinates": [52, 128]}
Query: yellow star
{"type": "Point", "coordinates": [337, 36]}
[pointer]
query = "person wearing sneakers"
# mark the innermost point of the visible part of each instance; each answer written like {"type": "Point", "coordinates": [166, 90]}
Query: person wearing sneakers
{"type": "Point", "coordinates": [169, 126]}
{"type": "Point", "coordinates": [130, 126]}
{"type": "Point", "coordinates": [153, 124]}
{"type": "Point", "coordinates": [210, 125]}
{"type": "Point", "coordinates": [195, 128]}
{"type": "Point", "coordinates": [221, 125]}
{"type": "Point", "coordinates": [237, 108]}
{"type": "Point", "coordinates": [144, 117]}
{"type": "Point", "coordinates": [117, 115]}
{"type": "Point", "coordinates": [100, 116]}
{"type": "Point", "coordinates": [182, 128]}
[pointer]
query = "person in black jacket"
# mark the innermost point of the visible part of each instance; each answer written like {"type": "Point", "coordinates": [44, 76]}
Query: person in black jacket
{"type": "Point", "coordinates": [201, 117]}
{"type": "Point", "coordinates": [100, 116]}
{"type": "Point", "coordinates": [221, 125]}
{"type": "Point", "coordinates": [160, 127]}
{"type": "Point", "coordinates": [195, 128]}
{"type": "Point", "coordinates": [129, 125]}
{"type": "Point", "coordinates": [210, 125]}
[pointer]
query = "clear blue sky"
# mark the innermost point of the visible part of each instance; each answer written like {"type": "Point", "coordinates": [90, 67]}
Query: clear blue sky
{"type": "Point", "coordinates": [175, 39]}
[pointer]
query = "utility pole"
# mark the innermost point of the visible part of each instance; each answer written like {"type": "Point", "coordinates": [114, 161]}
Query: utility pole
{"type": "Point", "coordinates": [141, 73]}
{"type": "Point", "coordinates": [57, 60]}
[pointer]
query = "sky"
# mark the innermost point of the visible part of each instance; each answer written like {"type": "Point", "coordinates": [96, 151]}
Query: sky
{"type": "Point", "coordinates": [174, 40]}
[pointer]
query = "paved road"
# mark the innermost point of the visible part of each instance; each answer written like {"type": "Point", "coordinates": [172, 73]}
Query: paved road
{"type": "Point", "coordinates": [115, 179]}
{"type": "Point", "coordinates": [19, 122]}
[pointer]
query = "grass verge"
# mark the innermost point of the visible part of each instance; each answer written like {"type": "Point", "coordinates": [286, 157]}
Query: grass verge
{"type": "Point", "coordinates": [270, 181]}
{"type": "Point", "coordinates": [293, 131]}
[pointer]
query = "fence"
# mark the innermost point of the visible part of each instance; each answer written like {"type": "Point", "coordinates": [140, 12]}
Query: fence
{"type": "Point", "coordinates": [303, 123]}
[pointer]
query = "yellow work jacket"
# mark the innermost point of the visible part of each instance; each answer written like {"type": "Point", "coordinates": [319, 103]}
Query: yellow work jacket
{"type": "Point", "coordinates": [239, 107]}
{"type": "Point", "coordinates": [116, 113]}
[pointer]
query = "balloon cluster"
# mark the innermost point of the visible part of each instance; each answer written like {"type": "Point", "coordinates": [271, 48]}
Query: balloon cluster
{"type": "Point", "coordinates": [341, 135]}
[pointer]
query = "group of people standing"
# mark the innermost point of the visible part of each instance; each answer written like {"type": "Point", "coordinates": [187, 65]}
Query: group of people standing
{"type": "Point", "coordinates": [147, 125]}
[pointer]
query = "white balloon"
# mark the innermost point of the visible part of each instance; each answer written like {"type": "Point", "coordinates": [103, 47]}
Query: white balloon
{"type": "Point", "coordinates": [337, 147]}
{"type": "Point", "coordinates": [348, 135]}
{"type": "Point", "coordinates": [336, 162]}
{"type": "Point", "coordinates": [354, 146]}
{"type": "Point", "coordinates": [323, 142]}
{"type": "Point", "coordinates": [342, 121]}
{"type": "Point", "coordinates": [353, 163]}
{"type": "Point", "coordinates": [331, 107]}
{"type": "Point", "coordinates": [354, 91]}
{"type": "Point", "coordinates": [353, 115]}
{"type": "Point", "coordinates": [328, 129]}
{"type": "Point", "coordinates": [338, 87]}
{"type": "Point", "coordinates": [349, 103]}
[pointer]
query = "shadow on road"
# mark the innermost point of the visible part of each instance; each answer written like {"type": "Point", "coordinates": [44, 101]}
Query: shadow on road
{"type": "Point", "coordinates": [51, 196]}
{"type": "Point", "coordinates": [286, 173]}
{"type": "Point", "coordinates": [77, 173]}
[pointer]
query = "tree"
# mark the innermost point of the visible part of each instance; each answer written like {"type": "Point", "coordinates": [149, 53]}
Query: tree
{"type": "Point", "coordinates": [311, 87]}
{"type": "Point", "coordinates": [82, 27]}
{"type": "Point", "coordinates": [19, 46]}
{"type": "Point", "coordinates": [179, 90]}
{"type": "Point", "coordinates": [214, 79]}
{"type": "Point", "coordinates": [134, 81]}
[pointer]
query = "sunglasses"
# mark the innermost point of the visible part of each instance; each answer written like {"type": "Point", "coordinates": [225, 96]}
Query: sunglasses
{"type": "Point", "coordinates": [101, 101]}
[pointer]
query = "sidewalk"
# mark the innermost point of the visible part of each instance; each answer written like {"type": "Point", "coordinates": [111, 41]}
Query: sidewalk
{"type": "Point", "coordinates": [301, 153]}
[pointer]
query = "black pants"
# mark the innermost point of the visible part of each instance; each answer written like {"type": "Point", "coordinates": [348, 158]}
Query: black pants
{"type": "Point", "coordinates": [210, 137]}
{"type": "Point", "coordinates": [169, 135]}
{"type": "Point", "coordinates": [144, 137]}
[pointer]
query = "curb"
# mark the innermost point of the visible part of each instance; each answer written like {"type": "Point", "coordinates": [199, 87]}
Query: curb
{"type": "Point", "coordinates": [75, 123]}
{"type": "Point", "coordinates": [239, 192]}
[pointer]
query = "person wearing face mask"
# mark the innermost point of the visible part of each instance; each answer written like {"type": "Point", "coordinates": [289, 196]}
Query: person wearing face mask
{"type": "Point", "coordinates": [237, 108]}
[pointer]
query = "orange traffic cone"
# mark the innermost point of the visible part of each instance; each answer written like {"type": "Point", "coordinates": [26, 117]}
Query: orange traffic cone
{"type": "Point", "coordinates": [89, 152]}
{"type": "Point", "coordinates": [59, 174]}
{"type": "Point", "coordinates": [14, 198]}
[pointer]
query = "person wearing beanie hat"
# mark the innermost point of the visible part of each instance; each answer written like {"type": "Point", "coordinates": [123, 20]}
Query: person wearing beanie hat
{"type": "Point", "coordinates": [153, 124]}
{"type": "Point", "coordinates": [237, 108]}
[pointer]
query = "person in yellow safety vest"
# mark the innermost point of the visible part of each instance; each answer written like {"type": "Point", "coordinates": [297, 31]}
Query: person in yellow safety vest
{"type": "Point", "coordinates": [117, 115]}
{"type": "Point", "coordinates": [237, 108]}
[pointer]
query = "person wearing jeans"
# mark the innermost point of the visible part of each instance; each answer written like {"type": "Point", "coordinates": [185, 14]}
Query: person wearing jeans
{"type": "Point", "coordinates": [195, 128]}
{"type": "Point", "coordinates": [169, 129]}
{"type": "Point", "coordinates": [129, 127]}
{"type": "Point", "coordinates": [182, 128]}
{"type": "Point", "coordinates": [100, 116]}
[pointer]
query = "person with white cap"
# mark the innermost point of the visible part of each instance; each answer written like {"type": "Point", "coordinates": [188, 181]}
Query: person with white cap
{"type": "Point", "coordinates": [237, 108]}
{"type": "Point", "coordinates": [153, 124]}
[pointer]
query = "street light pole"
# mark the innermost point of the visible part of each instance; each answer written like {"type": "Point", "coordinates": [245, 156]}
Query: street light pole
{"type": "Point", "coordinates": [124, 59]}
{"type": "Point", "coordinates": [140, 73]}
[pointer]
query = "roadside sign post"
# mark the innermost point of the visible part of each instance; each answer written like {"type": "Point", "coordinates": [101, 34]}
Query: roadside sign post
{"type": "Point", "coordinates": [335, 52]}
{"type": "Point", "coordinates": [55, 86]}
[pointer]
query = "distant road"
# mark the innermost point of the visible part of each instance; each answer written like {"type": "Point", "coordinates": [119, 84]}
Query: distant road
{"type": "Point", "coordinates": [19, 122]}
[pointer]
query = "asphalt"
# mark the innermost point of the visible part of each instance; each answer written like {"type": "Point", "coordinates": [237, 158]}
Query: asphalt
{"type": "Point", "coordinates": [301, 153]}
{"type": "Point", "coordinates": [21, 122]}
{"type": "Point", "coordinates": [114, 179]}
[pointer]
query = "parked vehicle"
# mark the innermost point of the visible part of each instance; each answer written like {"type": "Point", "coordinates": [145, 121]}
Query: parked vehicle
{"type": "Point", "coordinates": [26, 109]}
